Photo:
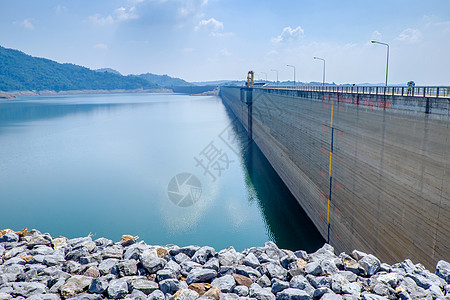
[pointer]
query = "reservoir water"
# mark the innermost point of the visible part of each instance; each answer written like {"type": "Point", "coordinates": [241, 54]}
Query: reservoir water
{"type": "Point", "coordinates": [171, 169]}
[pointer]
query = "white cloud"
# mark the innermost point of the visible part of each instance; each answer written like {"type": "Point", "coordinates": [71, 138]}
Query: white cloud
{"type": "Point", "coordinates": [124, 14]}
{"type": "Point", "coordinates": [225, 52]}
{"type": "Point", "coordinates": [25, 24]}
{"type": "Point", "coordinates": [211, 25]}
{"type": "Point", "coordinates": [376, 35]}
{"type": "Point", "coordinates": [60, 9]}
{"type": "Point", "coordinates": [120, 14]}
{"type": "Point", "coordinates": [409, 35]}
{"type": "Point", "coordinates": [100, 21]}
{"type": "Point", "coordinates": [101, 46]}
{"type": "Point", "coordinates": [288, 35]}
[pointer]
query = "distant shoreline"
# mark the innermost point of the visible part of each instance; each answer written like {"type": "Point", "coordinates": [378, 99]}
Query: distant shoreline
{"type": "Point", "coordinates": [14, 95]}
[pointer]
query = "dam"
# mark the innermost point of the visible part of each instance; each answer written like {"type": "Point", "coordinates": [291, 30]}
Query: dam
{"type": "Point", "coordinates": [370, 167]}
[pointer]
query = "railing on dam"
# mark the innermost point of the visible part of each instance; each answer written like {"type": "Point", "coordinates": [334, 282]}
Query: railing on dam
{"type": "Point", "coordinates": [417, 91]}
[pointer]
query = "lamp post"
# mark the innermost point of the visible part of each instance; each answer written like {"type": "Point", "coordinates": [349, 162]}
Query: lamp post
{"type": "Point", "coordinates": [264, 74]}
{"type": "Point", "coordinates": [323, 75]}
{"type": "Point", "coordinates": [294, 73]}
{"type": "Point", "coordinates": [277, 74]}
{"type": "Point", "coordinates": [387, 57]}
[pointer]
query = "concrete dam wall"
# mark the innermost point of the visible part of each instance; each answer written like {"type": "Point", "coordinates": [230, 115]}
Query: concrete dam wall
{"type": "Point", "coordinates": [372, 174]}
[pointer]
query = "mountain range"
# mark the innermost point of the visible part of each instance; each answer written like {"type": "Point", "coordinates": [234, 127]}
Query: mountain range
{"type": "Point", "coordinates": [22, 72]}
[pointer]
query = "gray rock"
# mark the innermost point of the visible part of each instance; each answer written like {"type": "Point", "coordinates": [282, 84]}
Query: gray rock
{"type": "Point", "coordinates": [99, 285]}
{"type": "Point", "coordinates": [313, 268]}
{"type": "Point", "coordinates": [143, 285]}
{"type": "Point", "coordinates": [75, 255]}
{"type": "Point", "coordinates": [241, 290]}
{"type": "Point", "coordinates": [14, 261]}
{"type": "Point", "coordinates": [248, 271]}
{"type": "Point", "coordinates": [200, 275]}
{"type": "Point", "coordinates": [272, 251]}
{"type": "Point", "coordinates": [225, 270]}
{"type": "Point", "coordinates": [107, 265]}
{"type": "Point", "coordinates": [26, 289]}
{"type": "Point", "coordinates": [187, 266]}
{"type": "Point", "coordinates": [127, 267]}
{"type": "Point", "coordinates": [326, 252]}
{"type": "Point", "coordinates": [9, 238]}
{"type": "Point", "coordinates": [189, 250]}
{"type": "Point", "coordinates": [388, 279]}
{"type": "Point", "coordinates": [264, 281]}
{"type": "Point", "coordinates": [381, 289]}
{"type": "Point", "coordinates": [373, 297]}
{"type": "Point", "coordinates": [78, 242]}
{"type": "Point", "coordinates": [156, 295]}
{"type": "Point", "coordinates": [53, 260]}
{"type": "Point", "coordinates": [183, 285]}
{"type": "Point", "coordinates": [55, 288]}
{"type": "Point", "coordinates": [339, 280]}
{"type": "Point", "coordinates": [152, 264]}
{"type": "Point", "coordinates": [276, 271]}
{"type": "Point", "coordinates": [115, 251]}
{"type": "Point", "coordinates": [370, 264]}
{"type": "Point", "coordinates": [353, 288]}
{"type": "Point", "coordinates": [420, 280]}
{"type": "Point", "coordinates": [384, 267]}
{"type": "Point", "coordinates": [103, 242]}
{"type": "Point", "coordinates": [203, 254]}
{"type": "Point", "coordinates": [331, 296]}
{"type": "Point", "coordinates": [165, 274]}
{"type": "Point", "coordinates": [279, 285]}
{"type": "Point", "coordinates": [318, 293]}
{"type": "Point", "coordinates": [117, 288]}
{"type": "Point", "coordinates": [319, 281]}
{"type": "Point", "coordinates": [260, 293]}
{"type": "Point", "coordinates": [136, 295]}
{"type": "Point", "coordinates": [358, 254]}
{"type": "Point", "coordinates": [225, 283]}
{"type": "Point", "coordinates": [41, 239]}
{"type": "Point", "coordinates": [301, 254]}
{"type": "Point", "coordinates": [435, 292]}
{"type": "Point", "coordinates": [75, 285]}
{"type": "Point", "coordinates": [300, 282]}
{"type": "Point", "coordinates": [292, 294]}
{"type": "Point", "coordinates": [289, 261]}
{"type": "Point", "coordinates": [85, 296]}
{"type": "Point", "coordinates": [251, 261]}
{"type": "Point", "coordinates": [328, 267]}
{"type": "Point", "coordinates": [443, 270]}
{"type": "Point", "coordinates": [181, 257]}
{"type": "Point", "coordinates": [43, 297]}
{"type": "Point", "coordinates": [229, 257]}
{"type": "Point", "coordinates": [169, 286]}
{"type": "Point", "coordinates": [172, 265]}
{"type": "Point", "coordinates": [5, 296]}
{"type": "Point", "coordinates": [225, 296]}
{"type": "Point", "coordinates": [187, 294]}
{"type": "Point", "coordinates": [213, 264]}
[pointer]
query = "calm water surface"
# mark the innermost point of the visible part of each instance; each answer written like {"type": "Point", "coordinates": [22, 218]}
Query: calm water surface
{"type": "Point", "coordinates": [101, 164]}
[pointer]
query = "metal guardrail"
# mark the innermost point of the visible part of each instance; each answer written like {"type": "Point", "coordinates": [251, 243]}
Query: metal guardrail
{"type": "Point", "coordinates": [417, 91]}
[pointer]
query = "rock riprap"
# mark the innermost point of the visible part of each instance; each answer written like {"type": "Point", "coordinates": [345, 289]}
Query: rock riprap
{"type": "Point", "coordinates": [37, 266]}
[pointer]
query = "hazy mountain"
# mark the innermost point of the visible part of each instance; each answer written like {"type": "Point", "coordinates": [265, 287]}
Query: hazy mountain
{"type": "Point", "coordinates": [109, 70]}
{"type": "Point", "coordinates": [22, 72]}
{"type": "Point", "coordinates": [164, 80]}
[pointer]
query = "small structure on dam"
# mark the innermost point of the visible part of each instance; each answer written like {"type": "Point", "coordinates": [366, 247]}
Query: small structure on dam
{"type": "Point", "coordinates": [370, 166]}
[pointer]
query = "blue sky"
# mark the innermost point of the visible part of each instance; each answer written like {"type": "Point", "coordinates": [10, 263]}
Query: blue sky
{"type": "Point", "coordinates": [201, 40]}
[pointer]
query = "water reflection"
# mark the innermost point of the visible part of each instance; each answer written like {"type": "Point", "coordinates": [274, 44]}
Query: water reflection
{"type": "Point", "coordinates": [286, 222]}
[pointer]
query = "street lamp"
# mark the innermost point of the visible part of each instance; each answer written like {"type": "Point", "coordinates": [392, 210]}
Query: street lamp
{"type": "Point", "coordinates": [323, 77]}
{"type": "Point", "coordinates": [294, 72]}
{"type": "Point", "coordinates": [387, 57]}
{"type": "Point", "coordinates": [277, 74]}
{"type": "Point", "coordinates": [264, 74]}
